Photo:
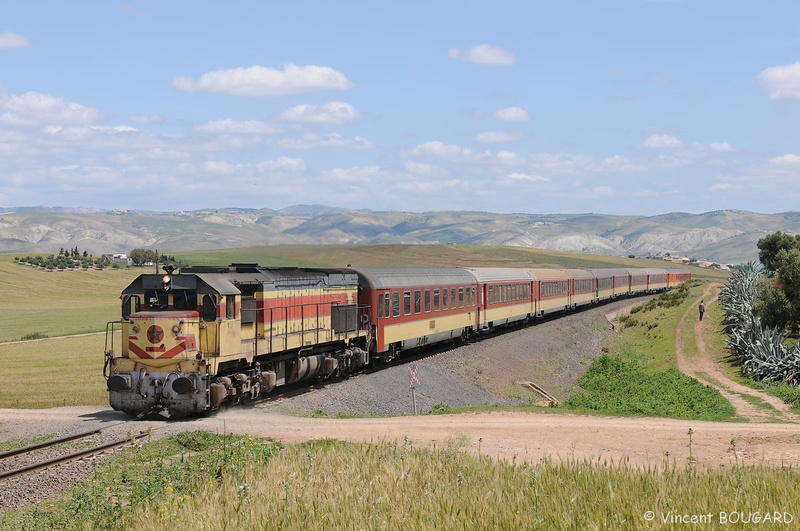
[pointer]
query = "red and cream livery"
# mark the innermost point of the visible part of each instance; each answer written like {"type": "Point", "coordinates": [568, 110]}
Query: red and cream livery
{"type": "Point", "coordinates": [208, 335]}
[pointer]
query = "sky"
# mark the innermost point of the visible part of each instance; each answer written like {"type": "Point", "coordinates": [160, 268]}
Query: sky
{"type": "Point", "coordinates": [632, 107]}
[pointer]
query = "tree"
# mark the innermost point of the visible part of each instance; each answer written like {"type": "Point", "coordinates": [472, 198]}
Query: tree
{"type": "Point", "coordinates": [142, 256]}
{"type": "Point", "coordinates": [769, 246]}
{"type": "Point", "coordinates": [779, 302]}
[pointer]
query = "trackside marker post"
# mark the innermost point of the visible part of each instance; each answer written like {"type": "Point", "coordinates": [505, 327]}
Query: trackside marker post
{"type": "Point", "coordinates": [414, 383]}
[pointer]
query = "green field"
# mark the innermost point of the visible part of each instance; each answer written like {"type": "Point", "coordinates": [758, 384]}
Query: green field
{"type": "Point", "coordinates": [55, 303]}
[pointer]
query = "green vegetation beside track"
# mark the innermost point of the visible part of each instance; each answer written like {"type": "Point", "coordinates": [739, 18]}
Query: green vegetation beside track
{"type": "Point", "coordinates": [638, 374]}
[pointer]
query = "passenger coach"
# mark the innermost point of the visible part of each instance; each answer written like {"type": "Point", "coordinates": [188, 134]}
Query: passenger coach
{"type": "Point", "coordinates": [416, 306]}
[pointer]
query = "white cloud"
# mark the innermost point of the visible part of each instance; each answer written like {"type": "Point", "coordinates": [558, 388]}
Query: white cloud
{"type": "Point", "coordinates": [264, 81]}
{"type": "Point", "coordinates": [722, 147]}
{"type": "Point", "coordinates": [508, 157]}
{"type": "Point", "coordinates": [441, 150]}
{"type": "Point", "coordinates": [332, 113]}
{"type": "Point", "coordinates": [618, 163]}
{"type": "Point", "coordinates": [238, 127]}
{"type": "Point", "coordinates": [789, 159]}
{"type": "Point", "coordinates": [454, 52]}
{"type": "Point", "coordinates": [35, 108]}
{"type": "Point", "coordinates": [10, 40]}
{"type": "Point", "coordinates": [221, 167]}
{"type": "Point", "coordinates": [662, 141]}
{"type": "Point", "coordinates": [492, 137]}
{"type": "Point", "coordinates": [362, 175]}
{"type": "Point", "coordinates": [782, 82]}
{"type": "Point", "coordinates": [512, 114]}
{"type": "Point", "coordinates": [79, 130]}
{"type": "Point", "coordinates": [423, 169]}
{"type": "Point", "coordinates": [326, 141]}
{"type": "Point", "coordinates": [485, 54]}
{"type": "Point", "coordinates": [282, 164]}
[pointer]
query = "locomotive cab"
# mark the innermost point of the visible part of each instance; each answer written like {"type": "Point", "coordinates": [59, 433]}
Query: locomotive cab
{"type": "Point", "coordinates": [173, 327]}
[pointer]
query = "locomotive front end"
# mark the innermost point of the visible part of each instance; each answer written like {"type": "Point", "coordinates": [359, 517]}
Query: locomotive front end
{"type": "Point", "coordinates": [161, 366]}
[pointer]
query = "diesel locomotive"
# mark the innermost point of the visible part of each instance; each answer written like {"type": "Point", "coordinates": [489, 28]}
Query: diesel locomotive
{"type": "Point", "coordinates": [189, 341]}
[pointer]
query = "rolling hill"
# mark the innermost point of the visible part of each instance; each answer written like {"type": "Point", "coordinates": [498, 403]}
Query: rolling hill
{"type": "Point", "coordinates": [724, 236]}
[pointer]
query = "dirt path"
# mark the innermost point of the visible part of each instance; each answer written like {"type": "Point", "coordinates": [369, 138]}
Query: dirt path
{"type": "Point", "coordinates": [750, 404]}
{"type": "Point", "coordinates": [513, 436]}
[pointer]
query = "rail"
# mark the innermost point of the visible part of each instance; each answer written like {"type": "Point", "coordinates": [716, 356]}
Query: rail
{"type": "Point", "coordinates": [94, 450]}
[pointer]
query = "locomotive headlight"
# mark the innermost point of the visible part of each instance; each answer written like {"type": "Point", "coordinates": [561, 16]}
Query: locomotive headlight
{"type": "Point", "coordinates": [176, 329]}
{"type": "Point", "coordinates": [136, 329]}
{"type": "Point", "coordinates": [166, 282]}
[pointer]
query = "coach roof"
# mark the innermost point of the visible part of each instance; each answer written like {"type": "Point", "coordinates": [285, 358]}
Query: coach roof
{"type": "Point", "coordinates": [501, 274]}
{"type": "Point", "coordinates": [405, 277]}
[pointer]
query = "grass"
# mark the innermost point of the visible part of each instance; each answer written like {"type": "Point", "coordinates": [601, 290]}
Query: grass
{"type": "Point", "coordinates": [209, 481]}
{"type": "Point", "coordinates": [639, 375]}
{"type": "Point", "coordinates": [52, 373]}
{"type": "Point", "coordinates": [36, 303]}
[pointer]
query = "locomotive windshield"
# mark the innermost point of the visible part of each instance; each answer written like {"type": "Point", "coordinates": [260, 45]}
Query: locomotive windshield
{"type": "Point", "coordinates": [184, 300]}
{"type": "Point", "coordinates": [154, 300]}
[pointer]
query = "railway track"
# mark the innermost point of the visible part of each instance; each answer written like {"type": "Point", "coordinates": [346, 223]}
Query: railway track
{"type": "Point", "coordinates": [410, 357]}
{"type": "Point", "coordinates": [50, 462]}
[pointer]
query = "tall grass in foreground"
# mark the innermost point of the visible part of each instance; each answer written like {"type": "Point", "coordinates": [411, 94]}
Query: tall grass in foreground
{"type": "Point", "coordinates": [208, 482]}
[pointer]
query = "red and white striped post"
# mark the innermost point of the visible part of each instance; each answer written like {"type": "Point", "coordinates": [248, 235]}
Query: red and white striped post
{"type": "Point", "coordinates": [414, 383]}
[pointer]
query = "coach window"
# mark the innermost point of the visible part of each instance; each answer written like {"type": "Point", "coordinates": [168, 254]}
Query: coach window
{"type": "Point", "coordinates": [427, 301]}
{"type": "Point", "coordinates": [436, 300]}
{"type": "Point", "coordinates": [460, 297]}
{"type": "Point", "coordinates": [444, 298]}
{"type": "Point", "coordinates": [453, 297]}
{"type": "Point", "coordinates": [407, 303]}
{"type": "Point", "coordinates": [396, 304]}
{"type": "Point", "coordinates": [381, 299]}
{"type": "Point", "coordinates": [417, 301]}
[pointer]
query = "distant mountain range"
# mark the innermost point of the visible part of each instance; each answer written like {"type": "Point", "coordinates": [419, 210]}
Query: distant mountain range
{"type": "Point", "coordinates": [723, 236]}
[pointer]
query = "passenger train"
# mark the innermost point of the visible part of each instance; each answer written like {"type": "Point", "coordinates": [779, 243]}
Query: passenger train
{"type": "Point", "coordinates": [193, 340]}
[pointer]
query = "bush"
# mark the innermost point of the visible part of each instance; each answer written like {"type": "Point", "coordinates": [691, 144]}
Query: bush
{"type": "Point", "coordinates": [617, 386]}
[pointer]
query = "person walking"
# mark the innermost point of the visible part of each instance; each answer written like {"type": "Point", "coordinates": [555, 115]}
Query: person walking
{"type": "Point", "coordinates": [702, 309]}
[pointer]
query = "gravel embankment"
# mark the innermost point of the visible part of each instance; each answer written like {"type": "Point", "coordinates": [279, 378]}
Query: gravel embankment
{"type": "Point", "coordinates": [552, 354]}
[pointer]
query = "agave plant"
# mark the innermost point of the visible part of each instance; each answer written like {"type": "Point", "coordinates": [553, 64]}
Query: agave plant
{"type": "Point", "coordinates": [739, 296]}
{"type": "Point", "coordinates": [761, 351]}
